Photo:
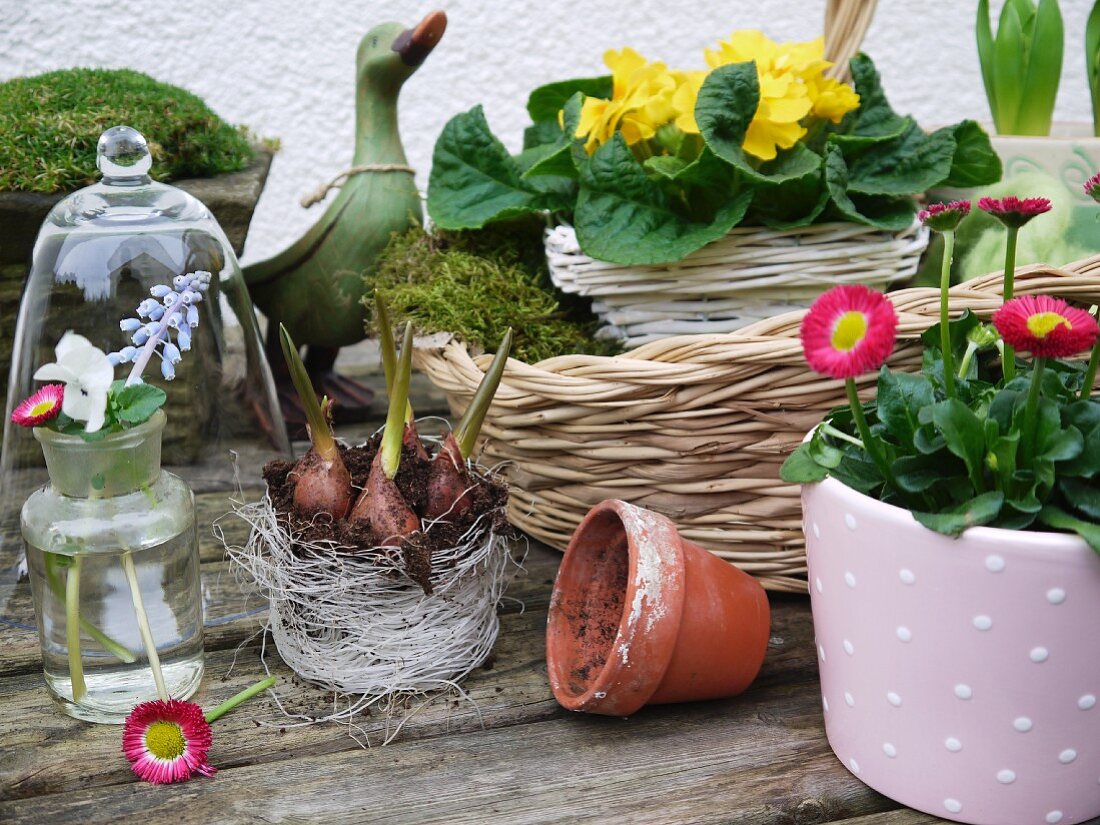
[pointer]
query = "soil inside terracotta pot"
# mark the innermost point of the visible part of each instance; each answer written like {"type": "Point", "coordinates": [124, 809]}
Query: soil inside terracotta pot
{"type": "Point", "coordinates": [594, 610]}
{"type": "Point", "coordinates": [488, 494]}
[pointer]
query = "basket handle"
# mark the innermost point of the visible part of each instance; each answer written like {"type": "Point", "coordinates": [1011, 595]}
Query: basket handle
{"type": "Point", "coordinates": [846, 24]}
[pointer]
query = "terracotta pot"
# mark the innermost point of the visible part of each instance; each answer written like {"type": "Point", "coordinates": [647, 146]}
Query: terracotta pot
{"type": "Point", "coordinates": [641, 616]}
{"type": "Point", "coordinates": [959, 676]}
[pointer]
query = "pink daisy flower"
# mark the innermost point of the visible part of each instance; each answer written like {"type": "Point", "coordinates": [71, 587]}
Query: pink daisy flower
{"type": "Point", "coordinates": [43, 406]}
{"type": "Point", "coordinates": [167, 741]}
{"type": "Point", "coordinates": [848, 331]}
{"type": "Point", "coordinates": [1092, 187]}
{"type": "Point", "coordinates": [944, 217]}
{"type": "Point", "coordinates": [1046, 327]}
{"type": "Point", "coordinates": [1013, 211]}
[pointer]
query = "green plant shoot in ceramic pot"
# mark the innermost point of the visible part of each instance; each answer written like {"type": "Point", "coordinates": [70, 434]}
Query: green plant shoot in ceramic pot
{"type": "Point", "coordinates": [649, 164]}
{"type": "Point", "coordinates": [953, 548]}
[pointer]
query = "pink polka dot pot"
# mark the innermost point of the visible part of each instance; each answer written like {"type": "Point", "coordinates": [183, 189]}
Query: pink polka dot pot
{"type": "Point", "coordinates": [959, 676]}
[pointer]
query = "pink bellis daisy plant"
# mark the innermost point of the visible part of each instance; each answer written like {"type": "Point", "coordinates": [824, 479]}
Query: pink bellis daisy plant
{"type": "Point", "coordinates": [167, 741]}
{"type": "Point", "coordinates": [44, 405]}
{"type": "Point", "coordinates": [945, 219]}
{"type": "Point", "coordinates": [1047, 328]}
{"type": "Point", "coordinates": [1013, 213]}
{"type": "Point", "coordinates": [849, 331]}
{"type": "Point", "coordinates": [1092, 187]}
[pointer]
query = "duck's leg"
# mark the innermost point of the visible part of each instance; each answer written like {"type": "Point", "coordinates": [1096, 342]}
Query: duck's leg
{"type": "Point", "coordinates": [353, 399]}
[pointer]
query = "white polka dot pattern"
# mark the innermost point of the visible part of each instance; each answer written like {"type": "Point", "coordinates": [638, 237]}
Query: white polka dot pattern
{"type": "Point", "coordinates": [953, 667]}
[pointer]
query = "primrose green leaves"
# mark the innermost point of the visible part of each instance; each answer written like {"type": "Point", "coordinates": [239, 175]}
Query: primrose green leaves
{"type": "Point", "coordinates": [982, 509]}
{"type": "Point", "coordinates": [546, 101]}
{"type": "Point", "coordinates": [622, 215]}
{"type": "Point", "coordinates": [668, 195]}
{"type": "Point", "coordinates": [137, 403]}
{"type": "Point", "coordinates": [474, 180]}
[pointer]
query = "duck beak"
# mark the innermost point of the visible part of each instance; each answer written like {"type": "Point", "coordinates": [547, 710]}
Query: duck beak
{"type": "Point", "coordinates": [414, 45]}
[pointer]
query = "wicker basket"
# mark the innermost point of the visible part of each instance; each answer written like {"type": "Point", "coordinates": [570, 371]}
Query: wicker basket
{"type": "Point", "coordinates": [694, 427]}
{"type": "Point", "coordinates": [750, 274]}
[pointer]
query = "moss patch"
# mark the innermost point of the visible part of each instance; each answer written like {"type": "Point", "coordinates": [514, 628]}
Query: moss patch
{"type": "Point", "coordinates": [50, 123]}
{"type": "Point", "coordinates": [477, 284]}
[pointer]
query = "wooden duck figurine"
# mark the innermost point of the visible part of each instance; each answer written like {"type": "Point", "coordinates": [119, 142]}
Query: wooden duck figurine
{"type": "Point", "coordinates": [314, 287]}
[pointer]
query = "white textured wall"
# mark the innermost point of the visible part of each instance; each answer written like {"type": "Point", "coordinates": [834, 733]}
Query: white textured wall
{"type": "Point", "coordinates": [285, 67]}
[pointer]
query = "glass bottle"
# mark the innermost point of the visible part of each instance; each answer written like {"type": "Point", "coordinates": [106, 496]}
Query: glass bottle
{"type": "Point", "coordinates": [114, 569]}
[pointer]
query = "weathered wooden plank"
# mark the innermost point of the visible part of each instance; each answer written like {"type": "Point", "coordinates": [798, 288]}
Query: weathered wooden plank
{"type": "Point", "coordinates": [43, 751]}
{"type": "Point", "coordinates": [905, 816]}
{"type": "Point", "coordinates": [232, 616]}
{"type": "Point", "coordinates": [758, 759]}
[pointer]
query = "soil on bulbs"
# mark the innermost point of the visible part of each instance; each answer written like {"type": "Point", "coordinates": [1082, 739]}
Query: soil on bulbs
{"type": "Point", "coordinates": [488, 494]}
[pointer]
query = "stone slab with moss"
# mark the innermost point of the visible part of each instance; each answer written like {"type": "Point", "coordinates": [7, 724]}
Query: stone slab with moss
{"type": "Point", "coordinates": [49, 127]}
{"type": "Point", "coordinates": [477, 284]}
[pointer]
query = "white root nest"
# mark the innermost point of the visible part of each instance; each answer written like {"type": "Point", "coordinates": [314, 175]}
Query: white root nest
{"type": "Point", "coordinates": [357, 624]}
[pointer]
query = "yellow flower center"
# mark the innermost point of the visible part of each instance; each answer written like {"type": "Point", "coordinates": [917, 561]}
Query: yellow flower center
{"type": "Point", "coordinates": [1042, 324]}
{"type": "Point", "coordinates": [849, 331]}
{"type": "Point", "coordinates": [165, 740]}
{"type": "Point", "coordinates": [42, 407]}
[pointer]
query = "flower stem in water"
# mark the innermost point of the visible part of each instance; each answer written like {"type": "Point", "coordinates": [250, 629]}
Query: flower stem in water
{"type": "Point", "coordinates": [116, 649]}
{"type": "Point", "coordinates": [72, 629]}
{"type": "Point", "coordinates": [143, 625]}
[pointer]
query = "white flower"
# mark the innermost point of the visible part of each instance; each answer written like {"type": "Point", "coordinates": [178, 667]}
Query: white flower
{"type": "Point", "coordinates": [87, 375]}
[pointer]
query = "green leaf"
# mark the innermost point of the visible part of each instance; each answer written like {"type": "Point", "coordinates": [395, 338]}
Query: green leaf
{"type": "Point", "coordinates": [541, 133]}
{"type": "Point", "coordinates": [1001, 452]}
{"type": "Point", "coordinates": [474, 181]}
{"type": "Point", "coordinates": [1082, 495]}
{"type": "Point", "coordinates": [545, 102]}
{"type": "Point", "coordinates": [138, 402]}
{"type": "Point", "coordinates": [1008, 73]}
{"type": "Point", "coordinates": [900, 399]}
{"type": "Point", "coordinates": [666, 166]}
{"type": "Point", "coordinates": [908, 165]}
{"type": "Point", "coordinates": [624, 217]}
{"type": "Point", "coordinates": [1059, 519]}
{"type": "Point", "coordinates": [1085, 416]}
{"type": "Point", "coordinates": [964, 434]}
{"type": "Point", "coordinates": [1092, 62]}
{"type": "Point", "coordinates": [725, 106]}
{"type": "Point", "coordinates": [801, 468]}
{"type": "Point", "coordinates": [974, 162]}
{"type": "Point", "coordinates": [891, 214]}
{"type": "Point", "coordinates": [1044, 70]}
{"type": "Point", "coordinates": [560, 158]}
{"type": "Point", "coordinates": [859, 472]}
{"type": "Point", "coordinates": [981, 509]}
{"type": "Point", "coordinates": [874, 121]}
{"type": "Point", "coordinates": [984, 31]}
{"type": "Point", "coordinates": [917, 473]}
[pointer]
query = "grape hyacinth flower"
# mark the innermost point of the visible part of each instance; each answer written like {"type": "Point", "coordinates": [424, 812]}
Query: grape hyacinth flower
{"type": "Point", "coordinates": [170, 308]}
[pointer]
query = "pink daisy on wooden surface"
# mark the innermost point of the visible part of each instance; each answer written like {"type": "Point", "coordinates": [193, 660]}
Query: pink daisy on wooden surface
{"type": "Point", "coordinates": [848, 331]}
{"type": "Point", "coordinates": [167, 741]}
{"type": "Point", "coordinates": [944, 217]}
{"type": "Point", "coordinates": [1092, 187]}
{"type": "Point", "coordinates": [43, 406]}
{"type": "Point", "coordinates": [1046, 327]}
{"type": "Point", "coordinates": [1013, 211]}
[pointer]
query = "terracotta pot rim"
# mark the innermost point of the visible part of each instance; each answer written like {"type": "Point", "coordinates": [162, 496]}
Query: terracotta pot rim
{"type": "Point", "coordinates": [644, 592]}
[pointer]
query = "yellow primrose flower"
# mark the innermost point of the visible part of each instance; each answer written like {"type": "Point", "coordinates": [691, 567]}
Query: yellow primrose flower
{"type": "Point", "coordinates": [792, 86]}
{"type": "Point", "coordinates": [641, 101]}
{"type": "Point", "coordinates": [832, 99]}
{"type": "Point", "coordinates": [683, 100]}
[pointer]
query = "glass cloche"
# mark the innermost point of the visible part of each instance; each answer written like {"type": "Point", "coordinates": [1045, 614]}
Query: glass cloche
{"type": "Point", "coordinates": [97, 255]}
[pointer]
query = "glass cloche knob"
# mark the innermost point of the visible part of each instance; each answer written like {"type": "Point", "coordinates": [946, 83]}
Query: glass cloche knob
{"type": "Point", "coordinates": [123, 152]}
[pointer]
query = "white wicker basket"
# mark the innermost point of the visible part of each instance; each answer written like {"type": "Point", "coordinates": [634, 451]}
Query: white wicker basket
{"type": "Point", "coordinates": [750, 274]}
